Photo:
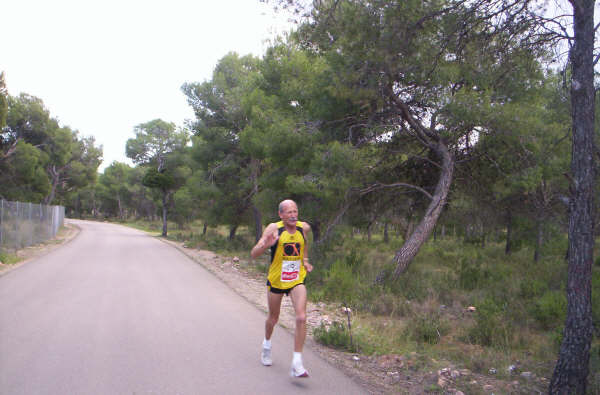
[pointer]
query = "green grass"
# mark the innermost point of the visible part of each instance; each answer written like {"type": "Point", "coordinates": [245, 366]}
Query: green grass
{"type": "Point", "coordinates": [8, 258]}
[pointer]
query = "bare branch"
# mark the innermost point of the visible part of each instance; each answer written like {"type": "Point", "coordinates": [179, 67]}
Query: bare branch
{"type": "Point", "coordinates": [378, 186]}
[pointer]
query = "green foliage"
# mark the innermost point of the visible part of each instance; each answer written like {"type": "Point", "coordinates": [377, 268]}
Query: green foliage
{"type": "Point", "coordinates": [471, 275]}
{"type": "Point", "coordinates": [492, 328]}
{"type": "Point", "coordinates": [336, 336]}
{"type": "Point", "coordinates": [40, 161]}
{"type": "Point", "coordinates": [341, 283]}
{"type": "Point", "coordinates": [3, 101]}
{"type": "Point", "coordinates": [427, 328]}
{"type": "Point", "coordinates": [532, 287]}
{"type": "Point", "coordinates": [155, 179]}
{"type": "Point", "coordinates": [550, 309]}
{"type": "Point", "coordinates": [8, 259]}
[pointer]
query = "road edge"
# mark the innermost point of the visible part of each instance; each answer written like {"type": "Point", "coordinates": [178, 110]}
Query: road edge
{"type": "Point", "coordinates": [40, 250]}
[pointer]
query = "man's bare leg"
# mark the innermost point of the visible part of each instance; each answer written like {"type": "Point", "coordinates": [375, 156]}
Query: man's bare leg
{"type": "Point", "coordinates": [298, 295]}
{"type": "Point", "coordinates": [274, 304]}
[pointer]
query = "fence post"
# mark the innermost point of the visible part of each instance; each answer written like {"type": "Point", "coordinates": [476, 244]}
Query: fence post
{"type": "Point", "coordinates": [17, 223]}
{"type": "Point", "coordinates": [31, 227]}
{"type": "Point", "coordinates": [1, 223]}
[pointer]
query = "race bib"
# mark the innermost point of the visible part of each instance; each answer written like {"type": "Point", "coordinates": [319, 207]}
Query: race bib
{"type": "Point", "coordinates": [290, 270]}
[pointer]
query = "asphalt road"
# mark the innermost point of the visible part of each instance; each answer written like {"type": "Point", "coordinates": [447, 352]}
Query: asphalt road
{"type": "Point", "coordinates": [116, 311]}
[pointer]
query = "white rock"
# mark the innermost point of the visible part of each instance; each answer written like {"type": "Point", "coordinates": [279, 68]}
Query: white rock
{"type": "Point", "coordinates": [465, 372]}
{"type": "Point", "coordinates": [493, 371]}
{"type": "Point", "coordinates": [527, 375]}
{"type": "Point", "coordinates": [356, 358]}
{"type": "Point", "coordinates": [442, 381]}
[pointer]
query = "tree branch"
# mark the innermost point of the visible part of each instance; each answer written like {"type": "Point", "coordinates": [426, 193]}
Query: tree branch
{"type": "Point", "coordinates": [378, 186]}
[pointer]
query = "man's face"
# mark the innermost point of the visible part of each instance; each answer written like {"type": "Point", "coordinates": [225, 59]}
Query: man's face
{"type": "Point", "coordinates": [289, 214]}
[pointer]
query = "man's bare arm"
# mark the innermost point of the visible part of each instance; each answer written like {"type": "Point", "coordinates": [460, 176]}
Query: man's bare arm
{"type": "Point", "coordinates": [269, 237]}
{"type": "Point", "coordinates": [306, 229]}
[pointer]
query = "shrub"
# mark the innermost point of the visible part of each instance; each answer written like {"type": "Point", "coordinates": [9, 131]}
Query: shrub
{"type": "Point", "coordinates": [354, 260]}
{"type": "Point", "coordinates": [386, 303]}
{"type": "Point", "coordinates": [550, 309]}
{"type": "Point", "coordinates": [469, 274]}
{"type": "Point", "coordinates": [8, 259]}
{"type": "Point", "coordinates": [336, 336]}
{"type": "Point", "coordinates": [491, 326]}
{"type": "Point", "coordinates": [341, 284]}
{"type": "Point", "coordinates": [532, 287]}
{"type": "Point", "coordinates": [427, 328]}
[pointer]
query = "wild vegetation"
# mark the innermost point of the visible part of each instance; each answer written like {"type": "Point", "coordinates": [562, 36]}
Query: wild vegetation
{"type": "Point", "coordinates": [433, 146]}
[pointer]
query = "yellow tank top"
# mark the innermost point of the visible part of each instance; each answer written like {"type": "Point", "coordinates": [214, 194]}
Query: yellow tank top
{"type": "Point", "coordinates": [287, 267]}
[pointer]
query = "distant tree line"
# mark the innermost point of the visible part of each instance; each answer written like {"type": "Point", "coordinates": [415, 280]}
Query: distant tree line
{"type": "Point", "coordinates": [40, 160]}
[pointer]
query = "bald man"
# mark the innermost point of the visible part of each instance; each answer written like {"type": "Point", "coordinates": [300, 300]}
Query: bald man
{"type": "Point", "coordinates": [287, 240]}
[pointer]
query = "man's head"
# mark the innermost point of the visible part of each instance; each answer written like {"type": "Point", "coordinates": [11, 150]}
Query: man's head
{"type": "Point", "coordinates": [288, 212]}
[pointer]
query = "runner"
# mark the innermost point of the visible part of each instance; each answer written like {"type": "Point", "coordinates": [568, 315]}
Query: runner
{"type": "Point", "coordinates": [289, 265]}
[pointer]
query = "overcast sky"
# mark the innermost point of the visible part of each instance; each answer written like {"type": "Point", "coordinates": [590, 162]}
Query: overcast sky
{"type": "Point", "coordinates": [102, 67]}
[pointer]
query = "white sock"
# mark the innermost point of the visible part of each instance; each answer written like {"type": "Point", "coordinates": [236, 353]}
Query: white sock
{"type": "Point", "coordinates": [297, 360]}
{"type": "Point", "coordinates": [267, 343]}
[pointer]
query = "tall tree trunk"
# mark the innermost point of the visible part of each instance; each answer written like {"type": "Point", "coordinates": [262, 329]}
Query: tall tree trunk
{"type": "Point", "coordinates": [164, 213]}
{"type": "Point", "coordinates": [572, 367]}
{"type": "Point", "coordinates": [386, 235]}
{"type": "Point", "coordinates": [411, 246]}
{"type": "Point", "coordinates": [509, 229]}
{"type": "Point", "coordinates": [539, 238]}
{"type": "Point", "coordinates": [120, 206]}
{"type": "Point", "coordinates": [55, 179]}
{"type": "Point", "coordinates": [410, 226]}
{"type": "Point", "coordinates": [316, 231]}
{"type": "Point", "coordinates": [232, 231]}
{"type": "Point", "coordinates": [257, 222]}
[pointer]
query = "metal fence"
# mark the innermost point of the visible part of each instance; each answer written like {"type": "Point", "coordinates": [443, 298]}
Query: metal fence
{"type": "Point", "coordinates": [25, 224]}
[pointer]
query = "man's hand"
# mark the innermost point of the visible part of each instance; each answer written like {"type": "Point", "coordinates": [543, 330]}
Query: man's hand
{"type": "Point", "coordinates": [308, 267]}
{"type": "Point", "coordinates": [270, 239]}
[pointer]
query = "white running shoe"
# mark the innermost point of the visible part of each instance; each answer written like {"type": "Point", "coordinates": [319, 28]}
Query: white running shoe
{"type": "Point", "coordinates": [298, 370]}
{"type": "Point", "coordinates": [265, 357]}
